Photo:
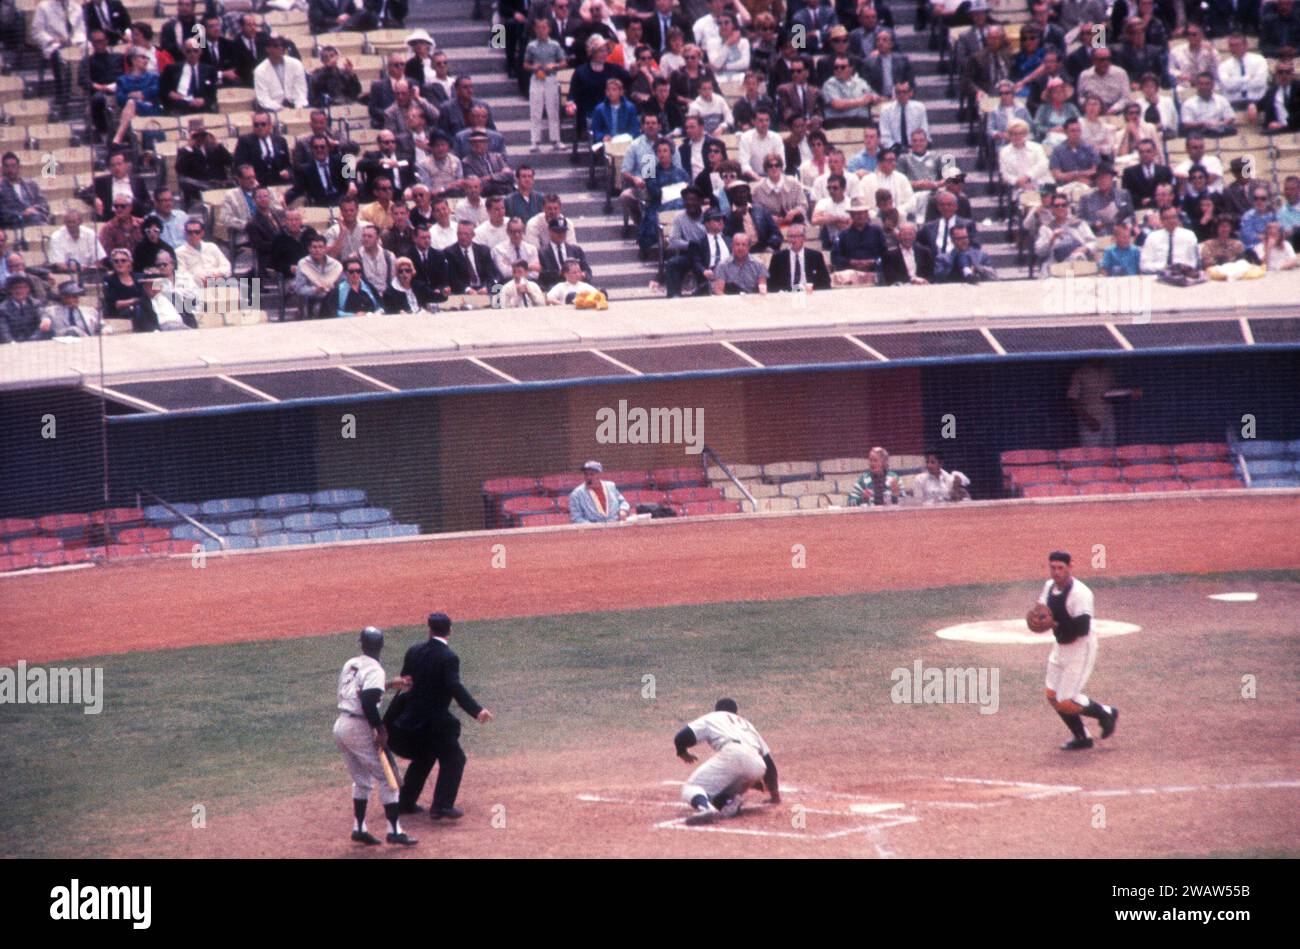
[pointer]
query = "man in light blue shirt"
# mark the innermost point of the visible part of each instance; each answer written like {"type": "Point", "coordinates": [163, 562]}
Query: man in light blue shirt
{"type": "Point", "coordinates": [639, 164]}
{"type": "Point", "coordinates": [1253, 222]}
{"type": "Point", "coordinates": [1288, 215]}
{"type": "Point", "coordinates": [865, 160]}
{"type": "Point", "coordinates": [596, 501]}
{"type": "Point", "coordinates": [173, 220]}
{"type": "Point", "coordinates": [1122, 259]}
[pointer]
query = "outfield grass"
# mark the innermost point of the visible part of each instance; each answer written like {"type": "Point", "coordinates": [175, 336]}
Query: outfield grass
{"type": "Point", "coordinates": [230, 726]}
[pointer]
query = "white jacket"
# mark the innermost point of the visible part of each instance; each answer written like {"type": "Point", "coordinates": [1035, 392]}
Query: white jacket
{"type": "Point", "coordinates": [271, 94]}
{"type": "Point", "coordinates": [50, 25]}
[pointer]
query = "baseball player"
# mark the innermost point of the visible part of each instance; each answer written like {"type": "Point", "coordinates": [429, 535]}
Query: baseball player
{"type": "Point", "coordinates": [359, 733]}
{"type": "Point", "coordinates": [1073, 655]}
{"type": "Point", "coordinates": [740, 761]}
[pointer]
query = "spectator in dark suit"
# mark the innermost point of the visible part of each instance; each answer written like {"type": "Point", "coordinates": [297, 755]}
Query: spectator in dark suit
{"type": "Point", "coordinates": [107, 15]}
{"type": "Point", "coordinates": [249, 47]}
{"type": "Point", "coordinates": [189, 86]}
{"type": "Point", "coordinates": [383, 92]}
{"type": "Point", "coordinates": [965, 264]}
{"type": "Point", "coordinates": [909, 262]}
{"type": "Point", "coordinates": [430, 264]}
{"type": "Point", "coordinates": [202, 165]}
{"type": "Point", "coordinates": [555, 252]}
{"type": "Point", "coordinates": [488, 166]}
{"type": "Point", "coordinates": [859, 247]}
{"type": "Point", "coordinates": [266, 151]}
{"type": "Point", "coordinates": [1279, 28]}
{"type": "Point", "coordinates": [302, 152]}
{"type": "Point", "coordinates": [332, 81]}
{"type": "Point", "coordinates": [290, 245]}
{"type": "Point", "coordinates": [321, 180]}
{"type": "Point", "coordinates": [332, 16]}
{"type": "Point", "coordinates": [384, 162]}
{"type": "Point", "coordinates": [768, 235]}
{"type": "Point", "coordinates": [656, 26]}
{"type": "Point", "coordinates": [220, 53]}
{"type": "Point", "coordinates": [817, 18]}
{"type": "Point", "coordinates": [426, 728]}
{"type": "Point", "coordinates": [179, 30]}
{"type": "Point", "coordinates": [470, 268]}
{"type": "Point", "coordinates": [1140, 180]}
{"type": "Point", "coordinates": [454, 116]}
{"type": "Point", "coordinates": [21, 201]}
{"type": "Point", "coordinates": [936, 235]}
{"type": "Point", "coordinates": [797, 265]}
{"type": "Point", "coordinates": [799, 97]}
{"type": "Point", "coordinates": [1278, 110]}
{"type": "Point", "coordinates": [885, 67]}
{"type": "Point", "coordinates": [99, 74]}
{"type": "Point", "coordinates": [119, 180]}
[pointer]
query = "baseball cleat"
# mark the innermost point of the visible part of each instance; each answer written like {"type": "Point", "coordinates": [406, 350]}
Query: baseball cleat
{"type": "Point", "coordinates": [446, 813]}
{"type": "Point", "coordinates": [1077, 744]}
{"type": "Point", "coordinates": [405, 839]}
{"type": "Point", "coordinates": [731, 808]}
{"type": "Point", "coordinates": [364, 837]}
{"type": "Point", "coordinates": [410, 809]}
{"type": "Point", "coordinates": [1108, 726]}
{"type": "Point", "coordinates": [704, 815]}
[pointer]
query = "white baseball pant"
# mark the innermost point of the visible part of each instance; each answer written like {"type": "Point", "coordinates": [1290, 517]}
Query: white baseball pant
{"type": "Point", "coordinates": [544, 96]}
{"type": "Point", "coordinates": [1068, 668]}
{"type": "Point", "coordinates": [732, 771]}
{"type": "Point", "coordinates": [356, 741]}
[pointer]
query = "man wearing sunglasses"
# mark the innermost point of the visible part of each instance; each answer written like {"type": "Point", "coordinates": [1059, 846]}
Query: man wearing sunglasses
{"type": "Point", "coordinates": [404, 293]}
{"type": "Point", "coordinates": [266, 151]}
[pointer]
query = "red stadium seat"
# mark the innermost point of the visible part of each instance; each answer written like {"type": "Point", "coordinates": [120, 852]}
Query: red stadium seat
{"type": "Point", "coordinates": [1216, 484]}
{"type": "Point", "coordinates": [1201, 451]}
{"type": "Point", "coordinates": [684, 495]}
{"type": "Point", "coordinates": [17, 562]}
{"type": "Point", "coordinates": [64, 523]}
{"type": "Point", "coordinates": [1050, 490]}
{"type": "Point", "coordinates": [1086, 457]}
{"type": "Point", "coordinates": [1086, 475]}
{"type": "Point", "coordinates": [710, 507]}
{"type": "Point", "coordinates": [120, 516]}
{"type": "Point", "coordinates": [1170, 484]}
{"type": "Point", "coordinates": [1106, 487]}
{"type": "Point", "coordinates": [1148, 472]}
{"type": "Point", "coordinates": [17, 527]}
{"type": "Point", "coordinates": [1201, 470]}
{"type": "Point", "coordinates": [1038, 475]}
{"type": "Point", "coordinates": [559, 483]}
{"type": "Point", "coordinates": [528, 504]}
{"type": "Point", "coordinates": [1143, 454]}
{"type": "Point", "coordinates": [143, 535]}
{"type": "Point", "coordinates": [82, 554]}
{"type": "Point", "coordinates": [509, 487]}
{"type": "Point", "coordinates": [562, 502]}
{"type": "Point", "coordinates": [632, 478]}
{"type": "Point", "coordinates": [1028, 456]}
{"type": "Point", "coordinates": [34, 545]}
{"type": "Point", "coordinates": [645, 496]}
{"type": "Point", "coordinates": [123, 551]}
{"type": "Point", "coordinates": [542, 520]}
{"type": "Point", "coordinates": [666, 478]}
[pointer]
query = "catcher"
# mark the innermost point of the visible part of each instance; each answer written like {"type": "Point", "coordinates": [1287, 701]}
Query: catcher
{"type": "Point", "coordinates": [1065, 608]}
{"type": "Point", "coordinates": [741, 761]}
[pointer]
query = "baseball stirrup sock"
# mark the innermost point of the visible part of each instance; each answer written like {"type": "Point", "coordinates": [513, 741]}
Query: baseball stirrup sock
{"type": "Point", "coordinates": [1095, 709]}
{"type": "Point", "coordinates": [1075, 724]}
{"type": "Point", "coordinates": [391, 811]}
{"type": "Point", "coordinates": [700, 802]}
{"type": "Point", "coordinates": [359, 813]}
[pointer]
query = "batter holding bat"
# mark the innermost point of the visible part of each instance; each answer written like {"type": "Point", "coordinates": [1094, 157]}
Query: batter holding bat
{"type": "Point", "coordinates": [359, 733]}
{"type": "Point", "coordinates": [1065, 607]}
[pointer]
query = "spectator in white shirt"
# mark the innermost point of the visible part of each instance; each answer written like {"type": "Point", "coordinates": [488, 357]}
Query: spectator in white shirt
{"type": "Point", "coordinates": [1208, 112]}
{"type": "Point", "coordinates": [200, 259]}
{"type": "Point", "coordinates": [831, 213]}
{"type": "Point", "coordinates": [889, 178]}
{"type": "Point", "coordinates": [712, 109]}
{"type": "Point", "coordinates": [492, 231]}
{"type": "Point", "coordinates": [778, 194]}
{"type": "Point", "coordinates": [1196, 156]}
{"type": "Point", "coordinates": [515, 248]}
{"type": "Point", "coordinates": [442, 232]}
{"type": "Point", "coordinates": [757, 144]}
{"type": "Point", "coordinates": [1186, 62]}
{"type": "Point", "coordinates": [1023, 162]}
{"type": "Point", "coordinates": [901, 117]}
{"type": "Point", "coordinates": [936, 486]}
{"type": "Point", "coordinates": [1156, 251]}
{"type": "Point", "coordinates": [572, 284]}
{"type": "Point", "coordinates": [520, 291]}
{"type": "Point", "coordinates": [280, 82]}
{"type": "Point", "coordinates": [836, 165]}
{"type": "Point", "coordinates": [1274, 252]}
{"type": "Point", "coordinates": [729, 53]}
{"type": "Point", "coordinates": [73, 247]}
{"type": "Point", "coordinates": [1243, 76]}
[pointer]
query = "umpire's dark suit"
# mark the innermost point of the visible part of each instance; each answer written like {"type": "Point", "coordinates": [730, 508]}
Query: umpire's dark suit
{"type": "Point", "coordinates": [426, 730]}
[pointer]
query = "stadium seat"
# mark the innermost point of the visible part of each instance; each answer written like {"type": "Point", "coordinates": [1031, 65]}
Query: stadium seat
{"type": "Point", "coordinates": [312, 521]}
{"type": "Point", "coordinates": [645, 496]}
{"type": "Point", "coordinates": [1200, 451]}
{"type": "Point", "coordinates": [158, 514]}
{"type": "Point", "coordinates": [685, 495]}
{"type": "Point", "coordinates": [1252, 449]}
{"type": "Point", "coordinates": [1085, 475]}
{"type": "Point", "coordinates": [1293, 448]}
{"type": "Point", "coordinates": [1169, 484]}
{"type": "Point", "coordinates": [171, 547]}
{"type": "Point", "coordinates": [190, 532]}
{"type": "Point", "coordinates": [283, 503]}
{"type": "Point", "coordinates": [511, 508]}
{"type": "Point", "coordinates": [1277, 481]}
{"type": "Point", "coordinates": [634, 479]}
{"type": "Point", "coordinates": [1148, 472]}
{"type": "Point", "coordinates": [339, 498]}
{"type": "Point", "coordinates": [1199, 470]}
{"type": "Point", "coordinates": [1261, 467]}
{"type": "Point", "coordinates": [118, 516]}
{"type": "Point", "coordinates": [1028, 456]}
{"type": "Point", "coordinates": [554, 484]}
{"type": "Point", "coordinates": [1106, 487]}
{"type": "Point", "coordinates": [255, 526]}
{"type": "Point", "coordinates": [1050, 490]}
{"type": "Point", "coordinates": [1039, 474]}
{"type": "Point", "coordinates": [364, 516]}
{"type": "Point", "coordinates": [667, 478]}
{"type": "Point", "coordinates": [1215, 484]}
{"type": "Point", "coordinates": [232, 543]}
{"type": "Point", "coordinates": [17, 562]}
{"type": "Point", "coordinates": [710, 507]}
{"type": "Point", "coordinates": [1143, 454]}
{"type": "Point", "coordinates": [393, 530]}
{"type": "Point", "coordinates": [283, 539]}
{"type": "Point", "coordinates": [226, 507]}
{"type": "Point", "coordinates": [34, 545]}
{"type": "Point", "coordinates": [143, 535]}
{"type": "Point", "coordinates": [17, 527]}
{"type": "Point", "coordinates": [64, 525]}
{"type": "Point", "coordinates": [338, 534]}
{"type": "Point", "coordinates": [542, 519]}
{"type": "Point", "coordinates": [1086, 457]}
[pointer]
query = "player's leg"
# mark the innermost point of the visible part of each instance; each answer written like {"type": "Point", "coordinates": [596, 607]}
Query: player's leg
{"type": "Point", "coordinates": [706, 782]}
{"type": "Point", "coordinates": [451, 767]}
{"type": "Point", "coordinates": [346, 738]}
{"type": "Point", "coordinates": [1105, 715]}
{"type": "Point", "coordinates": [750, 768]}
{"type": "Point", "coordinates": [1057, 664]}
{"type": "Point", "coordinates": [387, 796]}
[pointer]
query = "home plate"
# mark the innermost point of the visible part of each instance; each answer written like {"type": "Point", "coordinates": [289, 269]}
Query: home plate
{"type": "Point", "coordinates": [874, 808]}
{"type": "Point", "coordinates": [1014, 631]}
{"type": "Point", "coordinates": [1235, 597]}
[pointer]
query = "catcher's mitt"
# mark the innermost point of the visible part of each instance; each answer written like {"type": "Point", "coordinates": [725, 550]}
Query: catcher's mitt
{"type": "Point", "coordinates": [1039, 618]}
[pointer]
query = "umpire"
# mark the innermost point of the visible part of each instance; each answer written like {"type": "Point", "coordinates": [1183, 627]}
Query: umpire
{"type": "Point", "coordinates": [423, 728]}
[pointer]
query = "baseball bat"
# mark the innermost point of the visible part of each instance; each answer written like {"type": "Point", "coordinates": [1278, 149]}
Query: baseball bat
{"type": "Point", "coordinates": [388, 769]}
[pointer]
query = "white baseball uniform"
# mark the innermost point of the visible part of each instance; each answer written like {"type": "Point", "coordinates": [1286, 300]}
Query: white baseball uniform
{"type": "Point", "coordinates": [1070, 664]}
{"type": "Point", "coordinates": [354, 734]}
{"type": "Point", "coordinates": [737, 759]}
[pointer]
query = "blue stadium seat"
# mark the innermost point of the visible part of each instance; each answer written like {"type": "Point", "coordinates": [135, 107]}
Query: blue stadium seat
{"type": "Point", "coordinates": [333, 536]}
{"type": "Point", "coordinates": [1265, 467]}
{"type": "Point", "coordinates": [365, 516]}
{"type": "Point", "coordinates": [339, 498]}
{"type": "Point", "coordinates": [228, 507]}
{"type": "Point", "coordinates": [1277, 481]}
{"type": "Point", "coordinates": [283, 539]}
{"type": "Point", "coordinates": [283, 503]}
{"type": "Point", "coordinates": [311, 521]}
{"type": "Point", "coordinates": [1251, 449]}
{"type": "Point", "coordinates": [232, 543]}
{"type": "Point", "coordinates": [157, 514]}
{"type": "Point", "coordinates": [255, 526]}
{"type": "Point", "coordinates": [1293, 448]}
{"type": "Point", "coordinates": [190, 532]}
{"type": "Point", "coordinates": [393, 530]}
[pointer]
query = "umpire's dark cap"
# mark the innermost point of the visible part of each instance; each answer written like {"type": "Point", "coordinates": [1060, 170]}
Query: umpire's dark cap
{"type": "Point", "coordinates": [726, 705]}
{"type": "Point", "coordinates": [1059, 556]}
{"type": "Point", "coordinates": [439, 624]}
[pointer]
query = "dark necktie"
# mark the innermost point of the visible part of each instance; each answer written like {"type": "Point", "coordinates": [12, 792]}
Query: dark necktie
{"type": "Point", "coordinates": [77, 319]}
{"type": "Point", "coordinates": [717, 253]}
{"type": "Point", "coordinates": [194, 81]}
{"type": "Point", "coordinates": [324, 177]}
{"type": "Point", "coordinates": [664, 26]}
{"type": "Point", "coordinates": [798, 267]}
{"type": "Point", "coordinates": [473, 271]}
{"type": "Point", "coordinates": [902, 125]}
{"type": "Point", "coordinates": [527, 299]}
{"type": "Point", "coordinates": [1169, 258]}
{"type": "Point", "coordinates": [943, 244]}
{"type": "Point", "coordinates": [252, 46]}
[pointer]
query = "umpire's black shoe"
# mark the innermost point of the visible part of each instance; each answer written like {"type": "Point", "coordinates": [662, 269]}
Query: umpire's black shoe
{"type": "Point", "coordinates": [446, 813]}
{"type": "Point", "coordinates": [1108, 726]}
{"type": "Point", "coordinates": [1077, 744]}
{"type": "Point", "coordinates": [364, 837]}
{"type": "Point", "coordinates": [405, 839]}
{"type": "Point", "coordinates": [410, 809]}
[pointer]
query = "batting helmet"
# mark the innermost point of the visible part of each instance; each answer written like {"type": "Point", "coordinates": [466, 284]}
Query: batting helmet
{"type": "Point", "coordinates": [372, 637]}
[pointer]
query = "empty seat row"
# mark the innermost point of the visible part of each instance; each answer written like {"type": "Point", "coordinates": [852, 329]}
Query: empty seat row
{"type": "Point", "coordinates": [1121, 455]}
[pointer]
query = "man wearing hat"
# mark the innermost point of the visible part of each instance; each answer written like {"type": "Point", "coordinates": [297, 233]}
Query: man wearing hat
{"type": "Point", "coordinates": [972, 42]}
{"type": "Point", "coordinates": [68, 317]}
{"type": "Point", "coordinates": [280, 82]}
{"type": "Point", "coordinates": [21, 319]}
{"type": "Point", "coordinates": [954, 183]}
{"type": "Point", "coordinates": [419, 68]}
{"type": "Point", "coordinates": [596, 501]}
{"type": "Point", "coordinates": [858, 248]}
{"type": "Point", "coordinates": [488, 166]}
{"type": "Point", "coordinates": [1105, 205]}
{"type": "Point", "coordinates": [556, 252]}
